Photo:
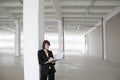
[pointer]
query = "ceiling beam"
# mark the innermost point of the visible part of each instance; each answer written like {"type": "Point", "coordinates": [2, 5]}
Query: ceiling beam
{"type": "Point", "coordinates": [49, 19]}
{"type": "Point", "coordinates": [50, 16]}
{"type": "Point", "coordinates": [49, 10]}
{"type": "Point", "coordinates": [84, 7]}
{"type": "Point", "coordinates": [3, 16]}
{"type": "Point", "coordinates": [72, 19]}
{"type": "Point", "coordinates": [77, 15]}
{"type": "Point", "coordinates": [48, 3]}
{"type": "Point", "coordinates": [70, 23]}
{"type": "Point", "coordinates": [16, 10]}
{"type": "Point", "coordinates": [83, 15]}
{"type": "Point", "coordinates": [5, 20]}
{"type": "Point", "coordinates": [57, 8]}
{"type": "Point", "coordinates": [87, 3]}
{"type": "Point", "coordinates": [110, 15]}
{"type": "Point", "coordinates": [113, 13]}
{"type": "Point", "coordinates": [85, 22]}
{"type": "Point", "coordinates": [10, 4]}
{"type": "Point", "coordinates": [8, 29]}
{"type": "Point", "coordinates": [7, 13]}
{"type": "Point", "coordinates": [81, 19]}
{"type": "Point", "coordinates": [84, 10]}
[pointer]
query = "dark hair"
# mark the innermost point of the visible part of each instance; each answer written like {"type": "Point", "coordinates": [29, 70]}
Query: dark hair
{"type": "Point", "coordinates": [45, 42]}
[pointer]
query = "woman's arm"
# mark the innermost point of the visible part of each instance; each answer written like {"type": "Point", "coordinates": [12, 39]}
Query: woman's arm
{"type": "Point", "coordinates": [53, 62]}
{"type": "Point", "coordinates": [40, 60]}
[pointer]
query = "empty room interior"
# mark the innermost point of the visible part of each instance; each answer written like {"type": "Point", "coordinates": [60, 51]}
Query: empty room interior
{"type": "Point", "coordinates": [87, 32]}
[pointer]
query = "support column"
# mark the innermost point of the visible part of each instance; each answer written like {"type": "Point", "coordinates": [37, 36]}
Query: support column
{"type": "Point", "coordinates": [86, 44]}
{"type": "Point", "coordinates": [61, 35]}
{"type": "Point", "coordinates": [102, 39]}
{"type": "Point", "coordinates": [17, 39]}
{"type": "Point", "coordinates": [33, 30]}
{"type": "Point", "coordinates": [41, 23]}
{"type": "Point", "coordinates": [105, 40]}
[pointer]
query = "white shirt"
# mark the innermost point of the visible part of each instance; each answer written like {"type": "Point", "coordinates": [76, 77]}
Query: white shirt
{"type": "Point", "coordinates": [48, 56]}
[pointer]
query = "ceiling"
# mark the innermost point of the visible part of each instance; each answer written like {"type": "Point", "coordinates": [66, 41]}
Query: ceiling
{"type": "Point", "coordinates": [79, 15]}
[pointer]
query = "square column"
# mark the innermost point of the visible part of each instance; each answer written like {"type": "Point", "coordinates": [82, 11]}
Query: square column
{"type": "Point", "coordinates": [61, 36]}
{"type": "Point", "coordinates": [17, 39]}
{"type": "Point", "coordinates": [33, 34]}
{"type": "Point", "coordinates": [105, 40]}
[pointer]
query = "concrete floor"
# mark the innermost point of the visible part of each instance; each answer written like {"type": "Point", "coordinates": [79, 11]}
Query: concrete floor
{"type": "Point", "coordinates": [11, 68]}
{"type": "Point", "coordinates": [73, 67]}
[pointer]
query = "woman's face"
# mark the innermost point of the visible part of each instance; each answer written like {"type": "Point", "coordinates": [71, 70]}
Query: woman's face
{"type": "Point", "coordinates": [46, 46]}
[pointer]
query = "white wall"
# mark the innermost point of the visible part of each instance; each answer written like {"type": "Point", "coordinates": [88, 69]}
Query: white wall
{"type": "Point", "coordinates": [113, 39]}
{"type": "Point", "coordinates": [95, 42]}
{"type": "Point", "coordinates": [73, 42]}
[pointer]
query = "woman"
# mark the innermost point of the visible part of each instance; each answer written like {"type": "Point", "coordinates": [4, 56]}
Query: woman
{"type": "Point", "coordinates": [46, 61]}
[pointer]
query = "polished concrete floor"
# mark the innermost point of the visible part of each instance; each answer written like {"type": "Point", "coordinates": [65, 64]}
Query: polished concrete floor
{"type": "Point", "coordinates": [11, 68]}
{"type": "Point", "coordinates": [73, 67]}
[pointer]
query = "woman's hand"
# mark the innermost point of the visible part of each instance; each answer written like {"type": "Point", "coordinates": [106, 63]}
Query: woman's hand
{"type": "Point", "coordinates": [50, 59]}
{"type": "Point", "coordinates": [53, 62]}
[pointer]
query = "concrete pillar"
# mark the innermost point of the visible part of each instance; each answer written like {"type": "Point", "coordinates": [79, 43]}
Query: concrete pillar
{"type": "Point", "coordinates": [102, 38]}
{"type": "Point", "coordinates": [33, 32]}
{"type": "Point", "coordinates": [41, 23]}
{"type": "Point", "coordinates": [60, 35]}
{"type": "Point", "coordinates": [86, 44]}
{"type": "Point", "coordinates": [63, 34]}
{"type": "Point", "coordinates": [105, 39]}
{"type": "Point", "coordinates": [17, 39]}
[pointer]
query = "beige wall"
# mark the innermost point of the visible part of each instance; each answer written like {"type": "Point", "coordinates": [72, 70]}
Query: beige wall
{"type": "Point", "coordinates": [113, 39]}
{"type": "Point", "coordinates": [95, 42]}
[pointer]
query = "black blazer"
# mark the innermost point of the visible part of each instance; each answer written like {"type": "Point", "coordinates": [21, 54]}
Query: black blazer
{"type": "Point", "coordinates": [42, 58]}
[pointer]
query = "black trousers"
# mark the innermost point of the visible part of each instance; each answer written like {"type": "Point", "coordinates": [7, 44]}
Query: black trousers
{"type": "Point", "coordinates": [50, 75]}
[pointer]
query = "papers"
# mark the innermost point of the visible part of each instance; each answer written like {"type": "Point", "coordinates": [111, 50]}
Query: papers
{"type": "Point", "coordinates": [58, 56]}
{"type": "Point", "coordinates": [46, 62]}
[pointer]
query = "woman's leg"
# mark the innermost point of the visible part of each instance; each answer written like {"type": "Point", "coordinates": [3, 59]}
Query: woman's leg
{"type": "Point", "coordinates": [51, 75]}
{"type": "Point", "coordinates": [43, 77]}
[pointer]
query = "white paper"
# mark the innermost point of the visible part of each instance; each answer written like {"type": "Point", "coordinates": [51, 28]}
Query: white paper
{"type": "Point", "coordinates": [58, 56]}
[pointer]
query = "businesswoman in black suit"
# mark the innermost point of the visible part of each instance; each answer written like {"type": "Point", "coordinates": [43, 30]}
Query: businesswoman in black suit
{"type": "Point", "coordinates": [46, 62]}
